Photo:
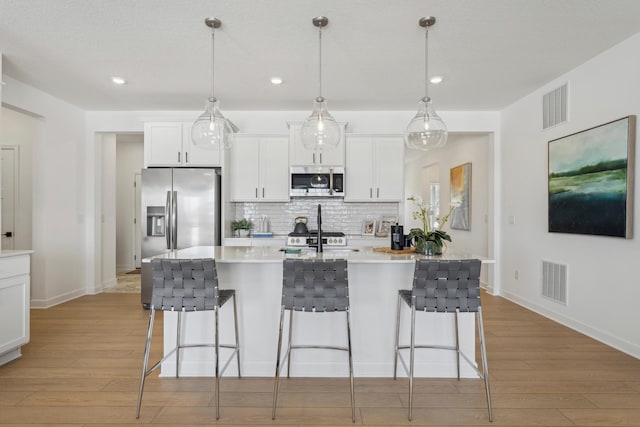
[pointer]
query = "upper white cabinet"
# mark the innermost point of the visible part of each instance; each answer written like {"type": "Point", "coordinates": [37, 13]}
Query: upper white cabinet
{"type": "Point", "coordinates": [300, 156]}
{"type": "Point", "coordinates": [374, 169]}
{"type": "Point", "coordinates": [259, 169]}
{"type": "Point", "coordinates": [169, 144]}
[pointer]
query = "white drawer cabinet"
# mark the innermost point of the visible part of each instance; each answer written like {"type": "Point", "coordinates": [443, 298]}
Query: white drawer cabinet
{"type": "Point", "coordinates": [14, 303]}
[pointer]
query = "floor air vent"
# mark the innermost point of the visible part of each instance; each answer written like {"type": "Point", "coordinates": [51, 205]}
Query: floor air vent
{"type": "Point", "coordinates": [554, 107]}
{"type": "Point", "coordinates": [554, 281]}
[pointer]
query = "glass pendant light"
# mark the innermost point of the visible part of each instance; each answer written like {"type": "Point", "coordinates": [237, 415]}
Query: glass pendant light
{"type": "Point", "coordinates": [211, 129]}
{"type": "Point", "coordinates": [320, 131]}
{"type": "Point", "coordinates": [426, 130]}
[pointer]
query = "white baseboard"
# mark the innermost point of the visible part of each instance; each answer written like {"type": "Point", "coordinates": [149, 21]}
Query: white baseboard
{"type": "Point", "coordinates": [50, 302]}
{"type": "Point", "coordinates": [595, 333]}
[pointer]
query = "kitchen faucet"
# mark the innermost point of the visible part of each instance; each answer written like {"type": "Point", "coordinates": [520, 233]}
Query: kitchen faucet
{"type": "Point", "coordinates": [319, 247]}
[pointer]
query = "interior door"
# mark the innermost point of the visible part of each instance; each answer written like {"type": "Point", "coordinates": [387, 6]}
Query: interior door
{"type": "Point", "coordinates": [8, 192]}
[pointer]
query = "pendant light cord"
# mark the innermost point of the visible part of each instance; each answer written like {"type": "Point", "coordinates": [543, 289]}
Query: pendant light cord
{"type": "Point", "coordinates": [213, 52]}
{"type": "Point", "coordinates": [320, 61]}
{"type": "Point", "coordinates": [426, 62]}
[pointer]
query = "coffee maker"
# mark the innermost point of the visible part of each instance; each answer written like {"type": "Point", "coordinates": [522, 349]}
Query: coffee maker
{"type": "Point", "coordinates": [397, 237]}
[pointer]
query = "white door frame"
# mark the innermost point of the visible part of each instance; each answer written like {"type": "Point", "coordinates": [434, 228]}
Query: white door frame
{"type": "Point", "coordinates": [137, 220]}
{"type": "Point", "coordinates": [16, 190]}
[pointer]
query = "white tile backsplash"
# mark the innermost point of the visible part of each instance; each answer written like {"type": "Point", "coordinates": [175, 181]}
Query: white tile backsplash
{"type": "Point", "coordinates": [336, 214]}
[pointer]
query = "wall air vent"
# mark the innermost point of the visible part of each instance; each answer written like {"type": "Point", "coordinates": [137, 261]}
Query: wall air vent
{"type": "Point", "coordinates": [554, 282]}
{"type": "Point", "coordinates": [554, 107]}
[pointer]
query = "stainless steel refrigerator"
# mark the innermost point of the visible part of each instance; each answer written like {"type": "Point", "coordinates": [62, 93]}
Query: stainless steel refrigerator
{"type": "Point", "coordinates": [180, 209]}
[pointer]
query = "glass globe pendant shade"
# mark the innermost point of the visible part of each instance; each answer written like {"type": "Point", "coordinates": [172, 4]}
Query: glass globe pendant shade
{"type": "Point", "coordinates": [320, 131]}
{"type": "Point", "coordinates": [210, 130]}
{"type": "Point", "coordinates": [426, 130]}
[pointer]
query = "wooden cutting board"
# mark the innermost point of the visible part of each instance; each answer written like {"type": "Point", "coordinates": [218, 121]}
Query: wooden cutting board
{"type": "Point", "coordinates": [395, 251]}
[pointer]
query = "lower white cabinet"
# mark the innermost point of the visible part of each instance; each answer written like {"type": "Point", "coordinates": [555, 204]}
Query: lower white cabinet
{"type": "Point", "coordinates": [259, 169]}
{"type": "Point", "coordinates": [14, 303]}
{"type": "Point", "coordinates": [374, 169]}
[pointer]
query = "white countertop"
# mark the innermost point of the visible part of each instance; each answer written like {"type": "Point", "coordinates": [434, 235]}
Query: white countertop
{"type": "Point", "coordinates": [267, 254]}
{"type": "Point", "coordinates": [7, 253]}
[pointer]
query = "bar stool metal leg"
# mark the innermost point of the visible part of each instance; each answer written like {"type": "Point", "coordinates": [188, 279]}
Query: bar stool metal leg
{"type": "Point", "coordinates": [353, 400]}
{"type": "Point", "coordinates": [217, 344]}
{"type": "Point", "coordinates": [178, 343]}
{"type": "Point", "coordinates": [235, 320]}
{"type": "Point", "coordinates": [289, 345]}
{"type": "Point", "coordinates": [411, 357]}
{"type": "Point", "coordinates": [395, 359]}
{"type": "Point", "coordinates": [457, 343]}
{"type": "Point", "coordinates": [485, 369]}
{"type": "Point", "coordinates": [145, 360]}
{"type": "Point", "coordinates": [277, 376]}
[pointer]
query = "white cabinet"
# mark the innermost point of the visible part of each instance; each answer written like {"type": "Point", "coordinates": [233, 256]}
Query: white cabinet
{"type": "Point", "coordinates": [259, 169]}
{"type": "Point", "coordinates": [169, 144]}
{"type": "Point", "coordinates": [14, 304]}
{"type": "Point", "coordinates": [374, 170]}
{"type": "Point", "coordinates": [300, 156]}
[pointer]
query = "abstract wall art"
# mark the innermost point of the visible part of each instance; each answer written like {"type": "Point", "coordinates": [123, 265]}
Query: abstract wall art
{"type": "Point", "coordinates": [591, 180]}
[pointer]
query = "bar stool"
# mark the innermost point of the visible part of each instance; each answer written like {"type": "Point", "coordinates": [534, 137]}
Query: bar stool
{"type": "Point", "coordinates": [188, 285]}
{"type": "Point", "coordinates": [311, 285]}
{"type": "Point", "coordinates": [443, 287]}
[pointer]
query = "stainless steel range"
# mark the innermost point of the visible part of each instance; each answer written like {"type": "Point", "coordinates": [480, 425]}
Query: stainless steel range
{"type": "Point", "coordinates": [329, 238]}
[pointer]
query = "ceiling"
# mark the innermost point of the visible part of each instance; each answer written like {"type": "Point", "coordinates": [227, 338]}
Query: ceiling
{"type": "Point", "coordinates": [490, 52]}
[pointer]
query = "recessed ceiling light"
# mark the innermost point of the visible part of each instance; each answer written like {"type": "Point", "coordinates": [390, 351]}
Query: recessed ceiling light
{"type": "Point", "coordinates": [118, 81]}
{"type": "Point", "coordinates": [276, 80]}
{"type": "Point", "coordinates": [436, 79]}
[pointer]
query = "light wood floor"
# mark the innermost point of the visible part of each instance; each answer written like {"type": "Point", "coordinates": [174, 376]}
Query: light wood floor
{"type": "Point", "coordinates": [82, 368]}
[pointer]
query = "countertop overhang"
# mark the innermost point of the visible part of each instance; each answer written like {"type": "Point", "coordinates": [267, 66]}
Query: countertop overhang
{"type": "Point", "coordinates": [268, 254]}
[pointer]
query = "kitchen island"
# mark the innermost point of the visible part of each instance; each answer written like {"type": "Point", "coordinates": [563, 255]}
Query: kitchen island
{"type": "Point", "coordinates": [374, 280]}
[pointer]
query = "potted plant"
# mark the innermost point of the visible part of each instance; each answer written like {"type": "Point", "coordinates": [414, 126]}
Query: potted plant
{"type": "Point", "coordinates": [430, 239]}
{"type": "Point", "coordinates": [241, 227]}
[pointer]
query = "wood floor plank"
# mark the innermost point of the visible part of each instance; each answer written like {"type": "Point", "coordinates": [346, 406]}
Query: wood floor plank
{"type": "Point", "coordinates": [82, 368]}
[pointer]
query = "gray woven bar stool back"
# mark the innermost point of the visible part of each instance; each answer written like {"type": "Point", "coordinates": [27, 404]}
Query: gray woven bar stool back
{"type": "Point", "coordinates": [311, 285]}
{"type": "Point", "coordinates": [443, 287]}
{"type": "Point", "coordinates": [188, 285]}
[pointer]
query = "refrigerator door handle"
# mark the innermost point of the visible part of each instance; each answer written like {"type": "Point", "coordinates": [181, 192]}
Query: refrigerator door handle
{"type": "Point", "coordinates": [174, 220]}
{"type": "Point", "coordinates": [167, 219]}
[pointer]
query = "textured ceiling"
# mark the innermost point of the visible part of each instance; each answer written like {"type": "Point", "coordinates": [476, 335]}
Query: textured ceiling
{"type": "Point", "coordinates": [490, 52]}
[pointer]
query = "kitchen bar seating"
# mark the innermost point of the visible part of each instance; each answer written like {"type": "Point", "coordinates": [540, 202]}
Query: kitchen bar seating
{"type": "Point", "coordinates": [447, 287]}
{"type": "Point", "coordinates": [188, 285]}
{"type": "Point", "coordinates": [310, 285]}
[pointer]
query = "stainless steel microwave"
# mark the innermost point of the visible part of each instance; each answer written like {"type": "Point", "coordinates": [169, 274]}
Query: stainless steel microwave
{"type": "Point", "coordinates": [317, 181]}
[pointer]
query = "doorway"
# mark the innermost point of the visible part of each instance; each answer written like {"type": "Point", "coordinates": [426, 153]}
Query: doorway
{"type": "Point", "coordinates": [9, 191]}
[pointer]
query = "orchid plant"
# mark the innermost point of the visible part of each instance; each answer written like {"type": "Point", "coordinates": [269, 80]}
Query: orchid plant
{"type": "Point", "coordinates": [431, 227]}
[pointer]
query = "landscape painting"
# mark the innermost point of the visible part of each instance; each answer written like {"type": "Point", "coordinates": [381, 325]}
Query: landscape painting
{"type": "Point", "coordinates": [460, 178]}
{"type": "Point", "coordinates": [591, 180]}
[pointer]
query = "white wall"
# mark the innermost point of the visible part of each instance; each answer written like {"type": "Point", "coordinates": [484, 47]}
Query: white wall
{"type": "Point", "coordinates": [58, 263]}
{"type": "Point", "coordinates": [603, 288]}
{"type": "Point", "coordinates": [129, 161]}
{"type": "Point", "coordinates": [20, 130]}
